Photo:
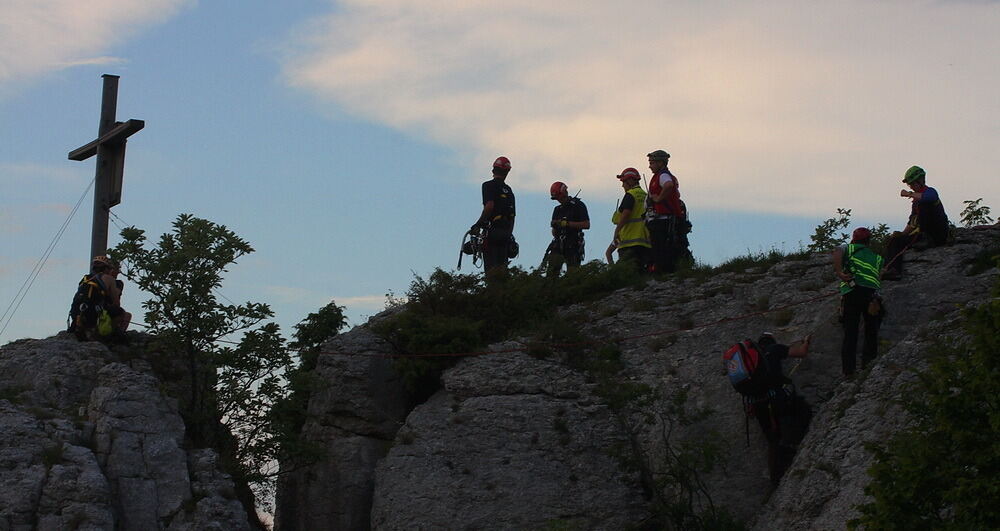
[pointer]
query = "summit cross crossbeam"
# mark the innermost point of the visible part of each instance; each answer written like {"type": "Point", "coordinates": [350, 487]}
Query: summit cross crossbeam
{"type": "Point", "coordinates": [110, 150]}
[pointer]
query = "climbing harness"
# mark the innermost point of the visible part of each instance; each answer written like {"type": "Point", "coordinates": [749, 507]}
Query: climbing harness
{"type": "Point", "coordinates": [472, 244]}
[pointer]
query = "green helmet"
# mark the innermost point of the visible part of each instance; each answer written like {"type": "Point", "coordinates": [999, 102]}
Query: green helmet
{"type": "Point", "coordinates": [659, 154]}
{"type": "Point", "coordinates": [915, 173]}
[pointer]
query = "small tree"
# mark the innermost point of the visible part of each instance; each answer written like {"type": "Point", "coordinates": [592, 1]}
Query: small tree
{"type": "Point", "coordinates": [826, 236]}
{"type": "Point", "coordinates": [976, 213]}
{"type": "Point", "coordinates": [234, 385]}
{"type": "Point", "coordinates": [288, 415]}
{"type": "Point", "coordinates": [251, 379]}
{"type": "Point", "coordinates": [880, 234]}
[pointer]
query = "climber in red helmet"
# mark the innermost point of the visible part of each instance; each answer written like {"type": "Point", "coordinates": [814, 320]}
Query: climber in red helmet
{"type": "Point", "coordinates": [569, 220]}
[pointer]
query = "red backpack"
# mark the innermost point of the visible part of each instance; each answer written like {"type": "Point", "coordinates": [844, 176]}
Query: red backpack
{"type": "Point", "coordinates": [746, 368]}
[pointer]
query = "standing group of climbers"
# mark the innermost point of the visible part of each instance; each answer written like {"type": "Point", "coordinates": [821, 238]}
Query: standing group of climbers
{"type": "Point", "coordinates": [650, 229]}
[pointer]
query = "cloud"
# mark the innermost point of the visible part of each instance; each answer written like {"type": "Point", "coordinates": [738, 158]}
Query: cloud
{"type": "Point", "coordinates": [31, 172]}
{"type": "Point", "coordinates": [10, 224]}
{"type": "Point", "coordinates": [366, 302]}
{"type": "Point", "coordinates": [18, 217]}
{"type": "Point", "coordinates": [781, 106]}
{"type": "Point", "coordinates": [289, 294]}
{"type": "Point", "coordinates": [104, 60]}
{"type": "Point", "coordinates": [37, 37]}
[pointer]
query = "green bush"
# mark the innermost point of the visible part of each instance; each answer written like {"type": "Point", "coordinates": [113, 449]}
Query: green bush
{"type": "Point", "coordinates": [941, 473]}
{"type": "Point", "coordinates": [451, 313]}
{"type": "Point", "coordinates": [976, 213]}
{"type": "Point", "coordinates": [827, 234]}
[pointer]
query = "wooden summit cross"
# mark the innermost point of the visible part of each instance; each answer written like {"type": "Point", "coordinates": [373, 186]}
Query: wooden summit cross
{"type": "Point", "coordinates": [110, 150]}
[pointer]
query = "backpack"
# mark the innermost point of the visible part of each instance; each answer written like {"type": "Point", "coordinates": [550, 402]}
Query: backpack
{"type": "Point", "coordinates": [747, 371]}
{"type": "Point", "coordinates": [746, 368]}
{"type": "Point", "coordinates": [88, 308]}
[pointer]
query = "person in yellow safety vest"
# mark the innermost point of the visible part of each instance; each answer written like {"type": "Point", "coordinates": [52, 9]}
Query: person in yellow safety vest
{"type": "Point", "coordinates": [631, 235]}
{"type": "Point", "coordinates": [859, 269]}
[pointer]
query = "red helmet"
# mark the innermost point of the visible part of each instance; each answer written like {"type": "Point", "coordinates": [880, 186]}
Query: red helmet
{"type": "Point", "coordinates": [629, 173]}
{"type": "Point", "coordinates": [502, 163]}
{"type": "Point", "coordinates": [558, 190]}
{"type": "Point", "coordinates": [861, 234]}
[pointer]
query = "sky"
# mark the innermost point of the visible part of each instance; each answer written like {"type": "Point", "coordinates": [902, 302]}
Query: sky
{"type": "Point", "coordinates": [347, 140]}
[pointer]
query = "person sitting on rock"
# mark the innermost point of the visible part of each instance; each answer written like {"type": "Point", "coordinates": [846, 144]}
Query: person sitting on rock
{"type": "Point", "coordinates": [107, 296]}
{"type": "Point", "coordinates": [119, 317]}
{"type": "Point", "coordinates": [927, 226]}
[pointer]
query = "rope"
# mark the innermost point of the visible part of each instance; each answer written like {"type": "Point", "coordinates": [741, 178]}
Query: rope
{"type": "Point", "coordinates": [15, 303]}
{"type": "Point", "coordinates": [913, 239]}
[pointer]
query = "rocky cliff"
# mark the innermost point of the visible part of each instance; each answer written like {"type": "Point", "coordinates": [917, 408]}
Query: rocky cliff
{"type": "Point", "coordinates": [514, 441]}
{"type": "Point", "coordinates": [90, 439]}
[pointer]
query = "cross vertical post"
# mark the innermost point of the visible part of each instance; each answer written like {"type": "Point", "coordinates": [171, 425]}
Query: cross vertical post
{"type": "Point", "coordinates": [99, 228]}
{"type": "Point", "coordinates": [110, 150]}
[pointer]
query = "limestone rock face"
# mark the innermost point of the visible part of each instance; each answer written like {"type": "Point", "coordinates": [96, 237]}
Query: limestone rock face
{"type": "Point", "coordinates": [88, 441]}
{"type": "Point", "coordinates": [826, 482]}
{"type": "Point", "coordinates": [511, 442]}
{"type": "Point", "coordinates": [355, 415]}
{"type": "Point", "coordinates": [515, 442]}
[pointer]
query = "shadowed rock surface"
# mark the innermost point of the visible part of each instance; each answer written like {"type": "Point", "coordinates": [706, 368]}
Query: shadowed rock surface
{"type": "Point", "coordinates": [89, 441]}
{"type": "Point", "coordinates": [514, 442]}
{"type": "Point", "coordinates": [355, 414]}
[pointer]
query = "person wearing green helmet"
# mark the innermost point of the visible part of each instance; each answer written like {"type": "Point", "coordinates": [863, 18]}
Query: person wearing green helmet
{"type": "Point", "coordinates": [928, 222]}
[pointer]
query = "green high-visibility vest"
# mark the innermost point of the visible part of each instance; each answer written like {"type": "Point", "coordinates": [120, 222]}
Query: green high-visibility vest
{"type": "Point", "coordinates": [864, 265]}
{"type": "Point", "coordinates": [634, 232]}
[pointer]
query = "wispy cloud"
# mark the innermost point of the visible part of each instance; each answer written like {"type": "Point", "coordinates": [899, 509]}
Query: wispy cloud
{"type": "Point", "coordinates": [779, 105]}
{"type": "Point", "coordinates": [289, 294]}
{"type": "Point", "coordinates": [104, 60]}
{"type": "Point", "coordinates": [364, 302]}
{"type": "Point", "coordinates": [10, 225]}
{"type": "Point", "coordinates": [23, 172]}
{"type": "Point", "coordinates": [37, 37]}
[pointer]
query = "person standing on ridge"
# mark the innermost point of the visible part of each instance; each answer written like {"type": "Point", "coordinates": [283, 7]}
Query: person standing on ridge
{"type": "Point", "coordinates": [664, 192]}
{"type": "Point", "coordinates": [631, 235]}
{"type": "Point", "coordinates": [858, 268]}
{"type": "Point", "coordinates": [569, 220]}
{"type": "Point", "coordinates": [497, 218]}
{"type": "Point", "coordinates": [928, 222]}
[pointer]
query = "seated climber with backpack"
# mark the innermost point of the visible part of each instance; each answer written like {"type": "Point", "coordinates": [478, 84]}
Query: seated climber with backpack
{"type": "Point", "coordinates": [927, 225]}
{"type": "Point", "coordinates": [755, 371]}
{"type": "Point", "coordinates": [96, 311]}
